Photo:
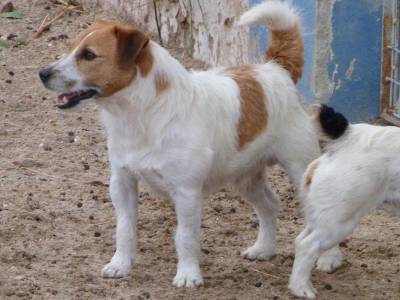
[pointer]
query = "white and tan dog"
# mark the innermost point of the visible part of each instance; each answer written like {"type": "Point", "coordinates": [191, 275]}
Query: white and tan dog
{"type": "Point", "coordinates": [359, 172]}
{"type": "Point", "coordinates": [188, 133]}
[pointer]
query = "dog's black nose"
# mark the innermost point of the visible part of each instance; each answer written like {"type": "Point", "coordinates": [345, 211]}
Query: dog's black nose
{"type": "Point", "coordinates": [45, 74]}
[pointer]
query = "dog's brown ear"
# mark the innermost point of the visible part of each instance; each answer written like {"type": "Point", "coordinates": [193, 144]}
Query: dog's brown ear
{"type": "Point", "coordinates": [130, 42]}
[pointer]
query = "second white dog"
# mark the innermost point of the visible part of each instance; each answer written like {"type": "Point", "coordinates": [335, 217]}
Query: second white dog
{"type": "Point", "coordinates": [359, 172]}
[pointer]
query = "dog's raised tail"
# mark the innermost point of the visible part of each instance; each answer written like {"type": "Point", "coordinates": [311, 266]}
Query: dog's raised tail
{"type": "Point", "coordinates": [331, 124]}
{"type": "Point", "coordinates": [285, 40]}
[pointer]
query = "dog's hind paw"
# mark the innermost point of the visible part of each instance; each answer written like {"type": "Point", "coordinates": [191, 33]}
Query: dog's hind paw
{"type": "Point", "coordinates": [330, 261]}
{"type": "Point", "coordinates": [257, 252]}
{"type": "Point", "coordinates": [116, 269]}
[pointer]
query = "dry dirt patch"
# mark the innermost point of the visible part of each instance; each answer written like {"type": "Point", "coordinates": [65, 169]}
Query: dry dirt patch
{"type": "Point", "coordinates": [57, 226]}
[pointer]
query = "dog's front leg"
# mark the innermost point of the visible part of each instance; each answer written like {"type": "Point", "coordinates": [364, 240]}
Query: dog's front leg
{"type": "Point", "coordinates": [124, 194]}
{"type": "Point", "coordinates": [188, 207]}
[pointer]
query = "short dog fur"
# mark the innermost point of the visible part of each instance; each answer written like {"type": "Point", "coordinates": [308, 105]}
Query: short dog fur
{"type": "Point", "coordinates": [187, 133]}
{"type": "Point", "coordinates": [359, 172]}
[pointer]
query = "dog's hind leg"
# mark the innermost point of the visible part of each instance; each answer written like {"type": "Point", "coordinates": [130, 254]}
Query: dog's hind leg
{"type": "Point", "coordinates": [266, 205]}
{"type": "Point", "coordinates": [295, 151]}
{"type": "Point", "coordinates": [320, 238]}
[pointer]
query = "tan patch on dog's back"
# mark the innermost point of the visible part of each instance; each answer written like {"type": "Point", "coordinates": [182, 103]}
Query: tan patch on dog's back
{"type": "Point", "coordinates": [310, 173]}
{"type": "Point", "coordinates": [161, 82]}
{"type": "Point", "coordinates": [253, 116]}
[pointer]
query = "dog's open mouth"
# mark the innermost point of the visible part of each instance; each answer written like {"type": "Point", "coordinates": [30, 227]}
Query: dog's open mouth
{"type": "Point", "coordinates": [68, 100]}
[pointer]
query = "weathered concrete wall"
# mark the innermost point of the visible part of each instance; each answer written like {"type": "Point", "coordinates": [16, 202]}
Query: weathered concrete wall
{"type": "Point", "coordinates": [205, 28]}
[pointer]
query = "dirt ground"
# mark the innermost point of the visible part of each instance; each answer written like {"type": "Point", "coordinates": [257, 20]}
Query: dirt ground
{"type": "Point", "coordinates": [57, 222]}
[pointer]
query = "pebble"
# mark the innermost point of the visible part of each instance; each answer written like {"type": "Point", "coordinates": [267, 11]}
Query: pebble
{"type": "Point", "coordinates": [97, 234]}
{"type": "Point", "coordinates": [11, 36]}
{"type": "Point", "coordinates": [328, 286]}
{"type": "Point", "coordinates": [205, 251]}
{"type": "Point", "coordinates": [218, 208]}
{"type": "Point", "coordinates": [258, 284]}
{"type": "Point", "coordinates": [45, 147]}
{"type": "Point", "coordinates": [7, 7]}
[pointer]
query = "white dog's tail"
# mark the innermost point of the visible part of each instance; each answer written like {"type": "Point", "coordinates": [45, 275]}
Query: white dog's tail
{"type": "Point", "coordinates": [331, 124]}
{"type": "Point", "coordinates": [286, 40]}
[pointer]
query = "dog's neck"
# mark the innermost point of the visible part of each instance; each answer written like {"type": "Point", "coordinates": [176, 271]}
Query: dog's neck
{"type": "Point", "coordinates": [146, 109]}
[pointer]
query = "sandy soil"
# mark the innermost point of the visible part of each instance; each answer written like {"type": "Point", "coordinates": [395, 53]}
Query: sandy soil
{"type": "Point", "coordinates": [57, 222]}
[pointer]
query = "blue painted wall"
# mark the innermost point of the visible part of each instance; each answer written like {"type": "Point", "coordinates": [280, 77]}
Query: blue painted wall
{"type": "Point", "coordinates": [357, 35]}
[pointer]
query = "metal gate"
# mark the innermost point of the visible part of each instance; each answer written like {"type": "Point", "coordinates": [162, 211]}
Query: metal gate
{"type": "Point", "coordinates": [390, 94]}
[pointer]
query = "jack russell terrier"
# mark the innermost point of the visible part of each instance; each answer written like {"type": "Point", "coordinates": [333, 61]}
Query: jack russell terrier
{"type": "Point", "coordinates": [187, 133]}
{"type": "Point", "coordinates": [359, 172]}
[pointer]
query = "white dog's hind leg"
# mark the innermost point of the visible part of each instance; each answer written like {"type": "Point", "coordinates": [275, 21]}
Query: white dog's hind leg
{"type": "Point", "coordinates": [307, 252]}
{"type": "Point", "coordinates": [330, 260]}
{"type": "Point", "coordinates": [188, 206]}
{"type": "Point", "coordinates": [123, 191]}
{"type": "Point", "coordinates": [266, 205]}
{"type": "Point", "coordinates": [310, 246]}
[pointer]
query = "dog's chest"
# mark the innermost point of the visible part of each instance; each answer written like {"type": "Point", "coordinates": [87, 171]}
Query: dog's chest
{"type": "Point", "coordinates": [145, 165]}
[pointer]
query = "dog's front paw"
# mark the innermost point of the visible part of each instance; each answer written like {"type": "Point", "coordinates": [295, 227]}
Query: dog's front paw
{"type": "Point", "coordinates": [188, 277]}
{"type": "Point", "coordinates": [117, 268]}
{"type": "Point", "coordinates": [330, 261]}
{"type": "Point", "coordinates": [258, 252]}
{"type": "Point", "coordinates": [303, 290]}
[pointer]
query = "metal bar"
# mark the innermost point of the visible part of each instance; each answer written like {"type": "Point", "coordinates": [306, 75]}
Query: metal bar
{"type": "Point", "coordinates": [393, 80]}
{"type": "Point", "coordinates": [394, 77]}
{"type": "Point", "coordinates": [394, 49]}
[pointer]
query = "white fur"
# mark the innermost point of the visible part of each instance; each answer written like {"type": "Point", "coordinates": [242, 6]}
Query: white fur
{"type": "Point", "coordinates": [275, 14]}
{"type": "Point", "coordinates": [66, 71]}
{"type": "Point", "coordinates": [184, 144]}
{"type": "Point", "coordinates": [359, 172]}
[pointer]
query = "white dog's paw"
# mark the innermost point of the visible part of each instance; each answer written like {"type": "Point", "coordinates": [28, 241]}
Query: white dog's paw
{"type": "Point", "coordinates": [303, 290]}
{"type": "Point", "coordinates": [330, 261]}
{"type": "Point", "coordinates": [117, 268]}
{"type": "Point", "coordinates": [257, 252]}
{"type": "Point", "coordinates": [188, 278]}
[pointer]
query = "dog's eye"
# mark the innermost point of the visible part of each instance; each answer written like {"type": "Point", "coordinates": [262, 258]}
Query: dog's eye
{"type": "Point", "coordinates": [88, 55]}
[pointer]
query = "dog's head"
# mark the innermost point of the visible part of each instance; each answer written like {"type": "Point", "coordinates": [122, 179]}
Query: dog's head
{"type": "Point", "coordinates": [102, 60]}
